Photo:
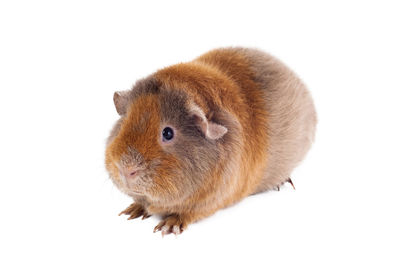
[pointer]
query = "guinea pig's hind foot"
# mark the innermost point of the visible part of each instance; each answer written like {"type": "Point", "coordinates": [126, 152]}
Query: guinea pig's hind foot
{"type": "Point", "coordinates": [290, 182]}
{"type": "Point", "coordinates": [172, 224]}
{"type": "Point", "coordinates": [135, 210]}
{"type": "Point", "coordinates": [278, 187]}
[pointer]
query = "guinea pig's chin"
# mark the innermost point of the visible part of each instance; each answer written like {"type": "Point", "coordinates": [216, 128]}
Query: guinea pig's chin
{"type": "Point", "coordinates": [132, 192]}
{"type": "Point", "coordinates": [126, 188]}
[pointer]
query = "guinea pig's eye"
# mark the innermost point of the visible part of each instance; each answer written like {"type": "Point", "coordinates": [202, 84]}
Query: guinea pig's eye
{"type": "Point", "coordinates": [167, 134]}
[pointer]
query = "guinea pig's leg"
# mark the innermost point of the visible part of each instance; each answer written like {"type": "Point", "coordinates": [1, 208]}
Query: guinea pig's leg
{"type": "Point", "coordinates": [173, 223]}
{"type": "Point", "coordinates": [135, 210]}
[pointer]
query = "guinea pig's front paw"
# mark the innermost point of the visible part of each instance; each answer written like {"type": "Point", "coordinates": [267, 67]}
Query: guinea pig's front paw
{"type": "Point", "coordinates": [171, 224]}
{"type": "Point", "coordinates": [135, 210]}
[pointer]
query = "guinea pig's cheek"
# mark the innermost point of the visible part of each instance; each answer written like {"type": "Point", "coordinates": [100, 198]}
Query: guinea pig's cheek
{"type": "Point", "coordinates": [118, 181]}
{"type": "Point", "coordinates": [113, 171]}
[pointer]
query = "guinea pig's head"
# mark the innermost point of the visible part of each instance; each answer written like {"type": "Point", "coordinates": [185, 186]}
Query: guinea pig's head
{"type": "Point", "coordinates": [163, 146]}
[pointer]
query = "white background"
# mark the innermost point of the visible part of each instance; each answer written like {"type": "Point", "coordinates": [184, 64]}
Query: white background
{"type": "Point", "coordinates": [60, 63]}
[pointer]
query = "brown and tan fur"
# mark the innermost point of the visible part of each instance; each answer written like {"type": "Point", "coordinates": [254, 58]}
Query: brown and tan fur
{"type": "Point", "coordinates": [261, 122]}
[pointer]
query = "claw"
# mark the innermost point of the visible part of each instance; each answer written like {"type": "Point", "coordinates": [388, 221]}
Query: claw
{"type": "Point", "coordinates": [166, 230]}
{"type": "Point", "coordinates": [290, 181]}
{"type": "Point", "coordinates": [145, 215]}
{"type": "Point", "coordinates": [134, 216]}
{"type": "Point", "coordinates": [134, 211]}
{"type": "Point", "coordinates": [128, 210]}
{"type": "Point", "coordinates": [159, 226]}
{"type": "Point", "coordinates": [171, 224]}
{"type": "Point", "coordinates": [176, 230]}
{"type": "Point", "coordinates": [123, 212]}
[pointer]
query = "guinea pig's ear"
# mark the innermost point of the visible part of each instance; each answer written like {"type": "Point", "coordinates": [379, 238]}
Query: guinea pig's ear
{"type": "Point", "coordinates": [210, 129]}
{"type": "Point", "coordinates": [121, 101]}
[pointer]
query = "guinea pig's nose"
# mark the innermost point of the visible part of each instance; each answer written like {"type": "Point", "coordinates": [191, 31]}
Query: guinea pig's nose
{"type": "Point", "coordinates": [129, 172]}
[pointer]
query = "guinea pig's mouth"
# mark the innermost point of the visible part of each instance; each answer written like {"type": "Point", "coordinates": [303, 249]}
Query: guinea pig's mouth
{"type": "Point", "coordinates": [131, 183]}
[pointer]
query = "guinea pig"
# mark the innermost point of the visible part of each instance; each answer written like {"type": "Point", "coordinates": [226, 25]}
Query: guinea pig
{"type": "Point", "coordinates": [196, 137]}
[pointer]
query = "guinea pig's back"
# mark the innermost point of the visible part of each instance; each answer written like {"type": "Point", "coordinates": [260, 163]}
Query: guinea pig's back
{"type": "Point", "coordinates": [291, 116]}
